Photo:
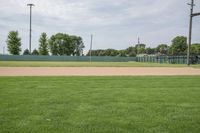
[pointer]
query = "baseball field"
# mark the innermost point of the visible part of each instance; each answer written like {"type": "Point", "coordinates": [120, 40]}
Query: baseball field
{"type": "Point", "coordinates": [86, 64]}
{"type": "Point", "coordinates": [124, 101]}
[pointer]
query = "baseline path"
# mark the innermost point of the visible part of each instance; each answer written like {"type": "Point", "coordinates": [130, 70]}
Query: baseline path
{"type": "Point", "coordinates": [97, 71]}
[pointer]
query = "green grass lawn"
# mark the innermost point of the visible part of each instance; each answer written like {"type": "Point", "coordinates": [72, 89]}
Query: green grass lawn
{"type": "Point", "coordinates": [100, 104]}
{"type": "Point", "coordinates": [85, 64]}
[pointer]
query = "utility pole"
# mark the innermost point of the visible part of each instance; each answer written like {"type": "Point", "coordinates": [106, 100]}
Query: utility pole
{"type": "Point", "coordinates": [91, 48]}
{"type": "Point", "coordinates": [190, 30]}
{"type": "Point", "coordinates": [3, 50]}
{"type": "Point", "coordinates": [138, 40]}
{"type": "Point", "coordinates": [30, 30]}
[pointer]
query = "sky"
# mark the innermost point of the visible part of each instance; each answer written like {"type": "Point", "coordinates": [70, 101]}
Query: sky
{"type": "Point", "coordinates": [114, 23]}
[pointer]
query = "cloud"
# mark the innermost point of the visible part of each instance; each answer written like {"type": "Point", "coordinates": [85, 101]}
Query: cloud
{"type": "Point", "coordinates": [115, 24]}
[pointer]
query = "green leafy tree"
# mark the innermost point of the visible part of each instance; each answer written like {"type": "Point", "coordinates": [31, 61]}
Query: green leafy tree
{"type": "Point", "coordinates": [43, 44]}
{"type": "Point", "coordinates": [195, 49]}
{"type": "Point", "coordinates": [100, 52]}
{"type": "Point", "coordinates": [53, 45]}
{"type": "Point", "coordinates": [122, 53]}
{"type": "Point", "coordinates": [111, 52]}
{"type": "Point", "coordinates": [131, 51]}
{"type": "Point", "coordinates": [65, 47]}
{"type": "Point", "coordinates": [140, 48]}
{"type": "Point", "coordinates": [162, 49]}
{"type": "Point", "coordinates": [179, 46]}
{"type": "Point", "coordinates": [35, 52]}
{"type": "Point", "coordinates": [150, 50]}
{"type": "Point", "coordinates": [64, 44]}
{"type": "Point", "coordinates": [26, 52]}
{"type": "Point", "coordinates": [77, 45]}
{"type": "Point", "coordinates": [13, 43]}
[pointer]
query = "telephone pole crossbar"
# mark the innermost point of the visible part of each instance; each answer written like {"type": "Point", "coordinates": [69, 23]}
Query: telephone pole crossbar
{"type": "Point", "coordinates": [195, 14]}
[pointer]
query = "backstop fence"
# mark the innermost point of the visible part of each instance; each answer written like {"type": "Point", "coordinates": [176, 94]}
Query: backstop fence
{"type": "Point", "coordinates": [152, 59]}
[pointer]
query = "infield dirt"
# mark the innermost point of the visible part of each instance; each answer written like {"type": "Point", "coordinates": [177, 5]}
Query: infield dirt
{"type": "Point", "coordinates": [97, 71]}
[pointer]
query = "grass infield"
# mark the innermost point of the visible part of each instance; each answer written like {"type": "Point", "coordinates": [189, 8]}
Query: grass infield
{"type": "Point", "coordinates": [100, 104]}
{"type": "Point", "coordinates": [85, 64]}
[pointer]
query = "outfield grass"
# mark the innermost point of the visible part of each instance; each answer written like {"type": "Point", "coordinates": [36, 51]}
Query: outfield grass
{"type": "Point", "coordinates": [85, 64]}
{"type": "Point", "coordinates": [100, 104]}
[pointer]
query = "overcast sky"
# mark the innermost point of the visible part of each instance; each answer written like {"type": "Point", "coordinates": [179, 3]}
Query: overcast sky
{"type": "Point", "coordinates": [114, 23]}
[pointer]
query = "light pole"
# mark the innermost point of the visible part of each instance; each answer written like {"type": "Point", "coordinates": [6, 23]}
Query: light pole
{"type": "Point", "coordinates": [91, 48]}
{"type": "Point", "coordinates": [3, 50]}
{"type": "Point", "coordinates": [190, 30]}
{"type": "Point", "coordinates": [138, 40]}
{"type": "Point", "coordinates": [30, 30]}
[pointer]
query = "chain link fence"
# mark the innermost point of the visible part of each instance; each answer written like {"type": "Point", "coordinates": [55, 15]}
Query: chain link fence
{"type": "Point", "coordinates": [169, 59]}
{"type": "Point", "coordinates": [151, 59]}
{"type": "Point", "coordinates": [65, 58]}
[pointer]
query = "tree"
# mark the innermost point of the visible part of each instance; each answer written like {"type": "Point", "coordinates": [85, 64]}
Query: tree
{"type": "Point", "coordinates": [122, 53]}
{"type": "Point", "coordinates": [195, 49]}
{"type": "Point", "coordinates": [140, 48]}
{"type": "Point", "coordinates": [179, 46]}
{"type": "Point", "coordinates": [43, 44]}
{"type": "Point", "coordinates": [64, 44]}
{"type": "Point", "coordinates": [65, 47]}
{"type": "Point", "coordinates": [26, 52]}
{"type": "Point", "coordinates": [150, 50]}
{"type": "Point", "coordinates": [53, 45]}
{"type": "Point", "coordinates": [131, 51]}
{"type": "Point", "coordinates": [162, 49]}
{"type": "Point", "coordinates": [35, 52]}
{"type": "Point", "coordinates": [13, 43]}
{"type": "Point", "coordinates": [77, 44]}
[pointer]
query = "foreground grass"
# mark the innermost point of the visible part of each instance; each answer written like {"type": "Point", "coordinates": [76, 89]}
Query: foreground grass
{"type": "Point", "coordinates": [85, 64]}
{"type": "Point", "coordinates": [100, 104]}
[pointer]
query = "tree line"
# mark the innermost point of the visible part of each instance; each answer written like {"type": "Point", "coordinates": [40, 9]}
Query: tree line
{"type": "Point", "coordinates": [178, 47]}
{"type": "Point", "coordinates": [71, 45]}
{"type": "Point", "coordinates": [58, 44]}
